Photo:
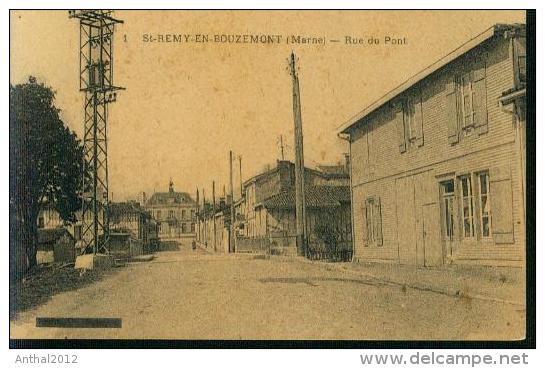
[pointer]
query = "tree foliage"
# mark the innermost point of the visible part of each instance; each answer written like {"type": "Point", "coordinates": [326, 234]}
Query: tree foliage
{"type": "Point", "coordinates": [46, 161]}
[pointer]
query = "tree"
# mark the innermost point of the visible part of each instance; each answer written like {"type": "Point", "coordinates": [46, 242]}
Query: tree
{"type": "Point", "coordinates": [46, 162]}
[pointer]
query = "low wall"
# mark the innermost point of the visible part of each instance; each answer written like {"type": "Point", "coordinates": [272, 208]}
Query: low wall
{"type": "Point", "coordinates": [252, 245]}
{"type": "Point", "coordinates": [267, 245]}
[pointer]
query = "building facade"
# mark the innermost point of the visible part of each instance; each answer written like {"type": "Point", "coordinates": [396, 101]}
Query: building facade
{"type": "Point", "coordinates": [267, 208]}
{"type": "Point", "coordinates": [131, 219]}
{"type": "Point", "coordinates": [174, 213]}
{"type": "Point", "coordinates": [213, 227]}
{"type": "Point", "coordinates": [437, 165]}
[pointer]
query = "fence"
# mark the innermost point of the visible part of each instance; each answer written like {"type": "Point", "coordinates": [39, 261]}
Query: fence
{"type": "Point", "coordinates": [341, 252]}
{"type": "Point", "coordinates": [277, 245]}
{"type": "Point", "coordinates": [286, 245]}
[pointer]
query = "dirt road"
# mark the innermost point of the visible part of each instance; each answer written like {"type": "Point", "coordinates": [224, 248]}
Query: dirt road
{"type": "Point", "coordinates": [196, 295]}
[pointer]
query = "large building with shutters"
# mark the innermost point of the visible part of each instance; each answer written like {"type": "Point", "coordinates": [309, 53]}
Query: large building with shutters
{"type": "Point", "coordinates": [438, 164]}
{"type": "Point", "coordinates": [174, 213]}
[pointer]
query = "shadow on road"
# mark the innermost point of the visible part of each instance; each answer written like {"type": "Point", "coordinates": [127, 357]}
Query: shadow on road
{"type": "Point", "coordinates": [311, 281]}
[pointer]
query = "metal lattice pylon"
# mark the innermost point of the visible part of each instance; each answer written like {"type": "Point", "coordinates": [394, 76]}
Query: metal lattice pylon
{"type": "Point", "coordinates": [96, 81]}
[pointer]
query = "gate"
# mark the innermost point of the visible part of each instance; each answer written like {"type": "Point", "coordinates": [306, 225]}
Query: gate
{"type": "Point", "coordinates": [340, 253]}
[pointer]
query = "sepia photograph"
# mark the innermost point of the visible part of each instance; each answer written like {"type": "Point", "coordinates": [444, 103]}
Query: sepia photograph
{"type": "Point", "coordinates": [269, 175]}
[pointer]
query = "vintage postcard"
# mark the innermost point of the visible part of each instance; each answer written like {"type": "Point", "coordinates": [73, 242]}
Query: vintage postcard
{"type": "Point", "coordinates": [268, 175]}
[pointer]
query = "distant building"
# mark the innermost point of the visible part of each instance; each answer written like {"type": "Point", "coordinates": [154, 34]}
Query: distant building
{"type": "Point", "coordinates": [438, 163]}
{"type": "Point", "coordinates": [55, 245]}
{"type": "Point", "coordinates": [50, 218]}
{"type": "Point", "coordinates": [174, 213]}
{"type": "Point", "coordinates": [267, 208]}
{"type": "Point", "coordinates": [214, 225]}
{"type": "Point", "coordinates": [130, 219]}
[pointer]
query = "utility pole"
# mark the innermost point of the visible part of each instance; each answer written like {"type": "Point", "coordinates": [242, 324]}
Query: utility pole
{"type": "Point", "coordinates": [197, 216]}
{"type": "Point", "coordinates": [205, 227]}
{"type": "Point", "coordinates": [96, 81]}
{"type": "Point", "coordinates": [240, 173]}
{"type": "Point", "coordinates": [214, 210]}
{"type": "Point", "coordinates": [300, 210]}
{"type": "Point", "coordinates": [232, 232]}
{"type": "Point", "coordinates": [281, 147]}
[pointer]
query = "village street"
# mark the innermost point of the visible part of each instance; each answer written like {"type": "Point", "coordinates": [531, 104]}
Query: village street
{"type": "Point", "coordinates": [197, 295]}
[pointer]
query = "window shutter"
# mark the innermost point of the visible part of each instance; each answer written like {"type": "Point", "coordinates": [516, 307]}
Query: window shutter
{"type": "Point", "coordinates": [378, 221]}
{"type": "Point", "coordinates": [418, 118]}
{"type": "Point", "coordinates": [398, 111]}
{"type": "Point", "coordinates": [479, 99]}
{"type": "Point", "coordinates": [452, 110]}
{"type": "Point", "coordinates": [364, 227]}
{"type": "Point", "coordinates": [501, 205]}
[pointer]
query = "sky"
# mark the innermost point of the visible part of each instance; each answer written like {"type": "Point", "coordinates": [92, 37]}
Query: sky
{"type": "Point", "coordinates": [187, 104]}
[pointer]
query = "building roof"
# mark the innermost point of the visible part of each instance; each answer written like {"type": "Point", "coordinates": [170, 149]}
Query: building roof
{"type": "Point", "coordinates": [47, 236]}
{"type": "Point", "coordinates": [315, 197]}
{"type": "Point", "coordinates": [498, 29]}
{"type": "Point", "coordinates": [170, 198]}
{"type": "Point", "coordinates": [333, 170]}
{"type": "Point", "coordinates": [123, 208]}
{"type": "Point", "coordinates": [325, 171]}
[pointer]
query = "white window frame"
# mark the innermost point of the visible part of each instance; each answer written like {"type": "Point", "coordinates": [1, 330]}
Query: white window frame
{"type": "Point", "coordinates": [471, 212]}
{"type": "Point", "coordinates": [478, 176]}
{"type": "Point", "coordinates": [471, 95]}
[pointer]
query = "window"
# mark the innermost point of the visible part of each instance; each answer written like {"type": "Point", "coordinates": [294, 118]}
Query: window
{"type": "Point", "coordinates": [520, 61]}
{"type": "Point", "coordinates": [409, 121]}
{"type": "Point", "coordinates": [466, 98]}
{"type": "Point", "coordinates": [170, 214]}
{"type": "Point", "coordinates": [183, 214]}
{"type": "Point", "coordinates": [158, 214]}
{"type": "Point", "coordinates": [192, 227]}
{"type": "Point", "coordinates": [41, 222]}
{"type": "Point", "coordinates": [466, 95]}
{"type": "Point", "coordinates": [484, 203]}
{"type": "Point", "coordinates": [372, 222]}
{"type": "Point", "coordinates": [467, 206]}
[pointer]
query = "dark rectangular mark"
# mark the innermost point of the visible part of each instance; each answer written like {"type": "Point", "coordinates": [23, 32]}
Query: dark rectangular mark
{"type": "Point", "coordinates": [78, 322]}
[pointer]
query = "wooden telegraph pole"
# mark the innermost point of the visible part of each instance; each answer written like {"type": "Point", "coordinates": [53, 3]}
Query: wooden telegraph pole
{"type": "Point", "coordinates": [281, 147]}
{"type": "Point", "coordinates": [240, 173]}
{"type": "Point", "coordinates": [197, 216]}
{"type": "Point", "coordinates": [232, 227]}
{"type": "Point", "coordinates": [205, 227]}
{"type": "Point", "coordinates": [214, 210]}
{"type": "Point", "coordinates": [300, 210]}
